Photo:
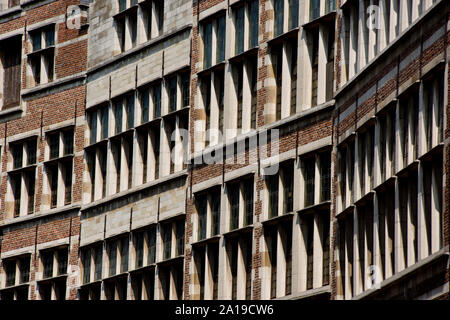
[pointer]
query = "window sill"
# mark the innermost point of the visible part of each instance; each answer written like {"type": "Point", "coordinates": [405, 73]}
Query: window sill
{"type": "Point", "coordinates": [88, 284]}
{"type": "Point", "coordinates": [142, 187]}
{"type": "Point", "coordinates": [41, 51]}
{"type": "Point", "coordinates": [50, 279]}
{"type": "Point", "coordinates": [277, 219]}
{"type": "Point", "coordinates": [33, 216]}
{"type": "Point", "coordinates": [143, 268]}
{"type": "Point", "coordinates": [8, 112]}
{"type": "Point", "coordinates": [10, 11]}
{"type": "Point", "coordinates": [325, 290]}
{"type": "Point", "coordinates": [252, 52]}
{"type": "Point", "coordinates": [291, 34]}
{"type": "Point", "coordinates": [170, 261]}
{"type": "Point", "coordinates": [212, 68]}
{"type": "Point", "coordinates": [22, 169]}
{"type": "Point", "coordinates": [326, 18]}
{"type": "Point", "coordinates": [314, 207]}
{"type": "Point", "coordinates": [58, 82]}
{"type": "Point", "coordinates": [20, 285]}
{"type": "Point", "coordinates": [64, 158]}
{"type": "Point", "coordinates": [237, 231]}
{"type": "Point", "coordinates": [201, 243]}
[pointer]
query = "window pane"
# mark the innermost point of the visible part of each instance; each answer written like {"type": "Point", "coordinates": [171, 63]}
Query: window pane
{"type": "Point", "coordinates": [314, 11]}
{"type": "Point", "coordinates": [239, 20]}
{"type": "Point", "coordinates": [112, 253]}
{"type": "Point", "coordinates": [17, 155]}
{"type": "Point", "coordinates": [180, 237]}
{"type": "Point", "coordinates": [105, 120]}
{"type": "Point", "coordinates": [293, 14]}
{"type": "Point", "coordinates": [118, 114]}
{"type": "Point", "coordinates": [234, 206]}
{"type": "Point", "coordinates": [130, 112]}
{"type": "Point", "coordinates": [62, 261]}
{"type": "Point", "coordinates": [248, 199]}
{"type": "Point", "coordinates": [185, 82]}
{"type": "Point", "coordinates": [220, 39]}
{"type": "Point", "coordinates": [151, 246]}
{"type": "Point", "coordinates": [98, 262]}
{"type": "Point", "coordinates": [288, 184]}
{"type": "Point", "coordinates": [309, 176]}
{"type": "Point", "coordinates": [215, 213]}
{"type": "Point", "coordinates": [272, 186]}
{"type": "Point", "coordinates": [254, 22]}
{"type": "Point", "coordinates": [36, 40]}
{"type": "Point", "coordinates": [157, 100]}
{"type": "Point", "coordinates": [24, 265]}
{"type": "Point", "coordinates": [167, 240]}
{"type": "Point", "coordinates": [201, 211]}
{"type": "Point", "coordinates": [145, 105]}
{"type": "Point", "coordinates": [54, 145]}
{"type": "Point", "coordinates": [279, 17]}
{"type": "Point", "coordinates": [172, 94]}
{"type": "Point", "coordinates": [124, 255]}
{"type": "Point", "coordinates": [31, 152]}
{"type": "Point", "coordinates": [49, 37]}
{"type": "Point", "coordinates": [139, 247]}
{"type": "Point", "coordinates": [68, 142]}
{"type": "Point", "coordinates": [47, 262]}
{"type": "Point", "coordinates": [10, 270]}
{"type": "Point", "coordinates": [207, 38]}
{"type": "Point", "coordinates": [93, 126]}
{"type": "Point", "coordinates": [87, 266]}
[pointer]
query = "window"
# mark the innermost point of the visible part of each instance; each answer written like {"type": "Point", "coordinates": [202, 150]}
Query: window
{"type": "Point", "coordinates": [279, 17]}
{"type": "Point", "coordinates": [180, 237]}
{"type": "Point", "coordinates": [41, 58]}
{"type": "Point", "coordinates": [234, 197]}
{"type": "Point", "coordinates": [253, 8]}
{"type": "Point", "coordinates": [112, 256]}
{"type": "Point", "coordinates": [293, 14]}
{"type": "Point", "coordinates": [60, 163]}
{"type": "Point", "coordinates": [172, 88]}
{"type": "Point", "coordinates": [288, 185]}
{"type": "Point", "coordinates": [315, 68]}
{"type": "Point", "coordinates": [309, 173]}
{"type": "Point", "coordinates": [23, 171]}
{"type": "Point", "coordinates": [325, 176]}
{"type": "Point", "coordinates": [314, 9]}
{"type": "Point", "coordinates": [124, 244]}
{"type": "Point", "coordinates": [47, 263]}
{"type": "Point", "coordinates": [54, 262]}
{"type": "Point", "coordinates": [239, 26]}
{"type": "Point", "coordinates": [330, 5]}
{"type": "Point", "coordinates": [139, 249]}
{"type": "Point", "coordinates": [215, 213]}
{"type": "Point", "coordinates": [98, 256]}
{"type": "Point", "coordinates": [118, 114]}
{"type": "Point", "coordinates": [11, 57]}
{"type": "Point", "coordinates": [272, 187]}
{"type": "Point", "coordinates": [86, 261]}
{"type": "Point", "coordinates": [201, 204]}
{"type": "Point", "coordinates": [151, 238]}
{"type": "Point", "coordinates": [185, 88]}
{"type": "Point", "coordinates": [167, 241]}
{"type": "Point", "coordinates": [217, 25]}
{"type": "Point", "coordinates": [17, 271]}
{"type": "Point", "coordinates": [248, 201]}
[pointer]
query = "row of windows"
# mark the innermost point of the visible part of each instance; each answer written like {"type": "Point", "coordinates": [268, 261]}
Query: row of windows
{"type": "Point", "coordinates": [58, 169]}
{"type": "Point", "coordinates": [133, 19]}
{"type": "Point", "coordinates": [395, 151]}
{"type": "Point", "coordinates": [51, 284]}
{"type": "Point", "coordinates": [362, 41]}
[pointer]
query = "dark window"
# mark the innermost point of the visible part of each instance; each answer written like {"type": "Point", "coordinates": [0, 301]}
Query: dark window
{"type": "Point", "coordinates": [118, 111]}
{"type": "Point", "coordinates": [151, 235]}
{"type": "Point", "coordinates": [139, 247]}
{"type": "Point", "coordinates": [325, 179]}
{"type": "Point", "coordinates": [293, 14]}
{"type": "Point", "coordinates": [248, 201]}
{"type": "Point", "coordinates": [68, 142]}
{"type": "Point", "coordinates": [272, 186]}
{"type": "Point", "coordinates": [180, 237]}
{"type": "Point", "coordinates": [87, 265]}
{"type": "Point", "coordinates": [31, 152]}
{"type": "Point", "coordinates": [288, 185]}
{"type": "Point", "coordinates": [53, 173]}
{"type": "Point", "coordinates": [47, 262]}
{"type": "Point", "coordinates": [24, 266]}
{"type": "Point", "coordinates": [185, 90]}
{"type": "Point", "coordinates": [215, 213]}
{"type": "Point", "coordinates": [279, 17]}
{"type": "Point", "coordinates": [10, 271]}
{"type": "Point", "coordinates": [220, 39]}
{"type": "Point", "coordinates": [309, 181]}
{"type": "Point", "coordinates": [167, 241]}
{"type": "Point", "coordinates": [315, 68]}
{"type": "Point", "coordinates": [112, 253]}
{"type": "Point", "coordinates": [254, 22]}
{"type": "Point", "coordinates": [145, 105]}
{"type": "Point", "coordinates": [130, 111]}
{"type": "Point", "coordinates": [54, 145]}
{"type": "Point", "coordinates": [62, 261]}
{"type": "Point", "coordinates": [105, 120]}
{"type": "Point", "coordinates": [234, 192]}
{"type": "Point", "coordinates": [17, 151]}
{"type": "Point", "coordinates": [207, 45]}
{"type": "Point", "coordinates": [12, 53]}
{"type": "Point", "coordinates": [98, 255]}
{"type": "Point", "coordinates": [172, 94]}
{"type": "Point", "coordinates": [239, 21]}
{"type": "Point", "coordinates": [157, 100]}
{"type": "Point", "coordinates": [93, 126]}
{"type": "Point", "coordinates": [314, 9]}
{"type": "Point", "coordinates": [68, 182]}
{"type": "Point", "coordinates": [124, 243]}
{"type": "Point", "coordinates": [202, 211]}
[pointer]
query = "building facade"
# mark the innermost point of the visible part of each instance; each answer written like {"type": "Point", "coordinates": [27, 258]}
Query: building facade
{"type": "Point", "coordinates": [242, 149]}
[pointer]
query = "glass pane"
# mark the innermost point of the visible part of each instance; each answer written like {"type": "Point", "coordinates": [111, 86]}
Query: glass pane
{"type": "Point", "coordinates": [207, 39]}
{"type": "Point", "coordinates": [98, 255]}
{"type": "Point", "coordinates": [151, 246]}
{"type": "Point", "coordinates": [130, 112]}
{"type": "Point", "coordinates": [314, 10]}
{"type": "Point", "coordinates": [105, 124]}
{"type": "Point", "coordinates": [86, 266]}
{"type": "Point", "coordinates": [279, 17]}
{"type": "Point", "coordinates": [62, 261]}
{"type": "Point", "coordinates": [118, 111]}
{"type": "Point", "coordinates": [172, 94]}
{"type": "Point", "coordinates": [293, 14]}
{"type": "Point", "coordinates": [31, 152]}
{"type": "Point", "coordinates": [254, 22]}
{"type": "Point", "coordinates": [47, 262]}
{"type": "Point", "coordinates": [144, 105]}
{"type": "Point", "coordinates": [17, 155]}
{"type": "Point", "coordinates": [112, 252]}
{"type": "Point", "coordinates": [221, 39]}
{"type": "Point", "coordinates": [24, 265]}
{"type": "Point", "coordinates": [68, 142]}
{"type": "Point", "coordinates": [93, 126]}
{"type": "Point", "coordinates": [215, 212]}
{"type": "Point", "coordinates": [124, 255]}
{"type": "Point", "coordinates": [157, 100]}
{"type": "Point", "coordinates": [239, 20]}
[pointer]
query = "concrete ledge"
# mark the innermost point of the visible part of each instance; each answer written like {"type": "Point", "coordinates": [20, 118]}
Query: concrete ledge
{"type": "Point", "coordinates": [307, 294]}
{"type": "Point", "coordinates": [444, 252]}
